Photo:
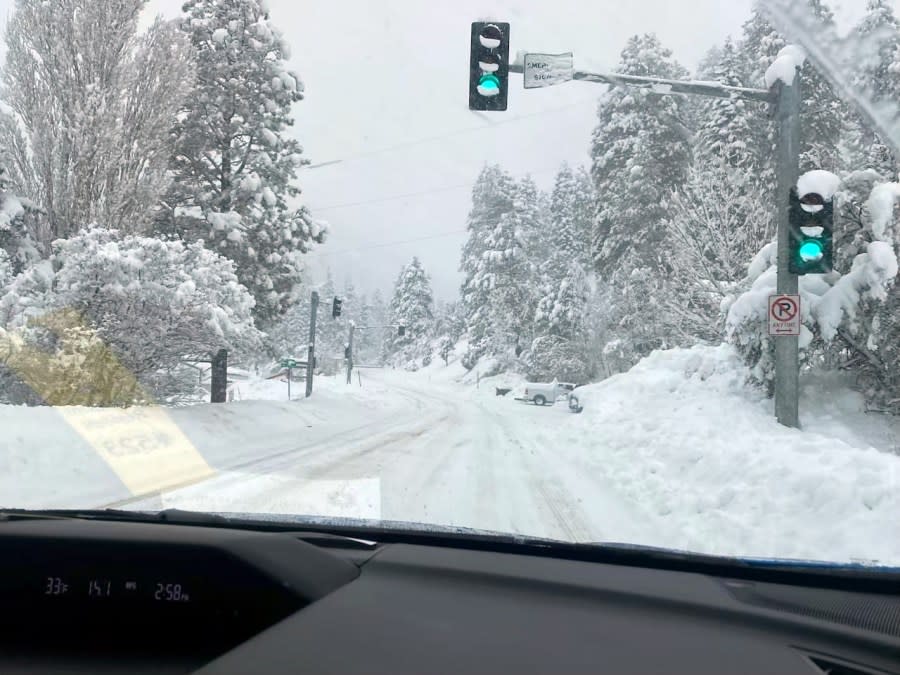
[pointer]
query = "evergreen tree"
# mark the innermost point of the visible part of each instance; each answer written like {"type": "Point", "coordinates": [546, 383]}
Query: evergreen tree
{"type": "Point", "coordinates": [18, 225]}
{"type": "Point", "coordinates": [330, 335]}
{"type": "Point", "coordinates": [879, 77]}
{"type": "Point", "coordinates": [563, 282]}
{"type": "Point", "coordinates": [493, 198]}
{"type": "Point", "coordinates": [412, 307]}
{"type": "Point", "coordinates": [758, 48]}
{"type": "Point", "coordinates": [235, 162]}
{"type": "Point", "coordinates": [378, 311]}
{"type": "Point", "coordinates": [821, 113]}
{"type": "Point", "coordinates": [726, 125]}
{"type": "Point", "coordinates": [640, 153]}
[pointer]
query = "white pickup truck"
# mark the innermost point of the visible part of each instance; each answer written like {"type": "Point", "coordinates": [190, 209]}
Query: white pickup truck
{"type": "Point", "coordinates": [545, 393]}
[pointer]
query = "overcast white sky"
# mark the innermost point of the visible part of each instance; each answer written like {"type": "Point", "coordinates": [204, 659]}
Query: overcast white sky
{"type": "Point", "coordinates": [386, 94]}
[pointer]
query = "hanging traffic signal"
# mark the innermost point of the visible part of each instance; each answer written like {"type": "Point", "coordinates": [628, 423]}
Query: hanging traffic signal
{"type": "Point", "coordinates": [811, 219]}
{"type": "Point", "coordinates": [336, 308]}
{"type": "Point", "coordinates": [401, 330]}
{"type": "Point", "coordinates": [489, 66]}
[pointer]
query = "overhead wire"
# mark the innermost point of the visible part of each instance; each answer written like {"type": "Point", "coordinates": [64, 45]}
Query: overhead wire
{"type": "Point", "coordinates": [448, 134]}
{"type": "Point", "coordinates": [392, 243]}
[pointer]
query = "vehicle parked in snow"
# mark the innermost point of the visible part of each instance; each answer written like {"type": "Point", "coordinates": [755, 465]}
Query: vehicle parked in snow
{"type": "Point", "coordinates": [544, 393]}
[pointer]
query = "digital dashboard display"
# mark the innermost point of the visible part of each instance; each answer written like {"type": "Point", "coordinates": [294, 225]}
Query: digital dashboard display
{"type": "Point", "coordinates": [165, 590]}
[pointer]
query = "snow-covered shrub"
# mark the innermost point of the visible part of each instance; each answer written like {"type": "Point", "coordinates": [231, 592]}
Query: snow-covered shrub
{"type": "Point", "coordinates": [847, 311]}
{"type": "Point", "coordinates": [552, 357]}
{"type": "Point", "coordinates": [109, 319]}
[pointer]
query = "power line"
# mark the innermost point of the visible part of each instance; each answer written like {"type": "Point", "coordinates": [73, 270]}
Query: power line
{"type": "Point", "coordinates": [446, 188]}
{"type": "Point", "coordinates": [393, 243]}
{"type": "Point", "coordinates": [449, 134]}
{"type": "Point", "coordinates": [420, 193]}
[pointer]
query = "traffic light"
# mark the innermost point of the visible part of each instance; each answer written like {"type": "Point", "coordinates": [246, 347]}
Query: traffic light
{"type": "Point", "coordinates": [811, 220]}
{"type": "Point", "coordinates": [336, 308]}
{"type": "Point", "coordinates": [489, 66]}
{"type": "Point", "coordinates": [401, 330]}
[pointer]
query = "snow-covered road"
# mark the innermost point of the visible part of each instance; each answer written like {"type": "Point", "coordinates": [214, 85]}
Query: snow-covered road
{"type": "Point", "coordinates": [679, 452]}
{"type": "Point", "coordinates": [447, 455]}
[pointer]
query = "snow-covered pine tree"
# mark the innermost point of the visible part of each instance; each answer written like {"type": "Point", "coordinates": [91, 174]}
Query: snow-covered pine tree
{"type": "Point", "coordinates": [705, 72]}
{"type": "Point", "coordinates": [720, 218]}
{"type": "Point", "coordinates": [561, 302]}
{"type": "Point", "coordinates": [331, 336]}
{"type": "Point", "coordinates": [364, 339]}
{"type": "Point", "coordinates": [378, 311]}
{"type": "Point", "coordinates": [18, 225]}
{"type": "Point", "coordinates": [640, 152]}
{"type": "Point", "coordinates": [91, 104]}
{"type": "Point", "coordinates": [758, 47]}
{"type": "Point", "coordinates": [412, 307]}
{"type": "Point", "coordinates": [879, 77]}
{"type": "Point", "coordinates": [726, 125]}
{"type": "Point", "coordinates": [493, 197]}
{"type": "Point", "coordinates": [503, 278]}
{"type": "Point", "coordinates": [821, 113]}
{"type": "Point", "coordinates": [235, 163]}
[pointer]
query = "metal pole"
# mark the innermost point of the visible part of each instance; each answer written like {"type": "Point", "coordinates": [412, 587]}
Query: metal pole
{"type": "Point", "coordinates": [218, 384]}
{"type": "Point", "coordinates": [311, 348]}
{"type": "Point", "coordinates": [787, 351]}
{"type": "Point", "coordinates": [350, 355]}
{"type": "Point", "coordinates": [289, 384]}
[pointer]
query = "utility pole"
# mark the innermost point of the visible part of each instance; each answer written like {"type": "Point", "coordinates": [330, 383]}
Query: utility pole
{"type": "Point", "coordinates": [350, 353]}
{"type": "Point", "coordinates": [311, 346]}
{"type": "Point", "coordinates": [787, 347]}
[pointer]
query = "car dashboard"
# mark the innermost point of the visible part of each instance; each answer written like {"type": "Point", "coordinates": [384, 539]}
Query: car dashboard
{"type": "Point", "coordinates": [99, 596]}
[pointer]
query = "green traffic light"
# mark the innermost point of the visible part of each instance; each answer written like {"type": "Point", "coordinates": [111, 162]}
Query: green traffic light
{"type": "Point", "coordinates": [811, 250]}
{"type": "Point", "coordinates": [489, 85]}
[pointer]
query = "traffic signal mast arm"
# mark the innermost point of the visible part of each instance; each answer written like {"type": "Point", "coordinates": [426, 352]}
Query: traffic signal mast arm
{"type": "Point", "coordinates": [664, 86]}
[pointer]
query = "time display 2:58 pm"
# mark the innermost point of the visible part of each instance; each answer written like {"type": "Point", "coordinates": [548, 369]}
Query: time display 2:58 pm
{"type": "Point", "coordinates": [171, 592]}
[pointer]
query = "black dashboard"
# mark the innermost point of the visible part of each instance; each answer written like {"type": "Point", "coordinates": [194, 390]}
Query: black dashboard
{"type": "Point", "coordinates": [97, 596]}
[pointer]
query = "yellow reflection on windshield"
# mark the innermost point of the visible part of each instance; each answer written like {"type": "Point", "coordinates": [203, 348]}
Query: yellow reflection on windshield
{"type": "Point", "coordinates": [141, 444]}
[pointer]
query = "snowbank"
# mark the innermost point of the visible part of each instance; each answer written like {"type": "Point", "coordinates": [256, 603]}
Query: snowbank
{"type": "Point", "coordinates": [683, 438]}
{"type": "Point", "coordinates": [76, 457]}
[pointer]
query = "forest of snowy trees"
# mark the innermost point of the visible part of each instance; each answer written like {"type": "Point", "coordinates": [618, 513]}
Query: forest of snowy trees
{"type": "Point", "coordinates": [665, 242]}
{"type": "Point", "coordinates": [149, 212]}
{"type": "Point", "coordinates": [148, 207]}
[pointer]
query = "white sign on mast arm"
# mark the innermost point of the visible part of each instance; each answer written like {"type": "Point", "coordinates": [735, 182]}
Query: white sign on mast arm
{"type": "Point", "coordinates": [784, 314]}
{"type": "Point", "coordinates": [544, 70]}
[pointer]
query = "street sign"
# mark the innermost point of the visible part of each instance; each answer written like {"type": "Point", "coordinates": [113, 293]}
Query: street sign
{"type": "Point", "coordinates": [545, 70]}
{"type": "Point", "coordinates": [784, 314]}
{"type": "Point", "coordinates": [290, 363]}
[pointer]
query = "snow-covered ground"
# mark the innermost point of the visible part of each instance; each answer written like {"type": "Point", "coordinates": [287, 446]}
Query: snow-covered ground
{"type": "Point", "coordinates": [678, 452]}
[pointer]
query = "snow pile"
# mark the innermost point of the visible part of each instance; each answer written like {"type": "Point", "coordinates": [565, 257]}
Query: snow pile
{"type": "Point", "coordinates": [682, 438]}
{"type": "Point", "coordinates": [79, 457]}
{"type": "Point", "coordinates": [785, 66]}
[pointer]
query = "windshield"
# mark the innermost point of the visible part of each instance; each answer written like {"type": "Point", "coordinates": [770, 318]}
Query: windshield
{"type": "Point", "coordinates": [577, 270]}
